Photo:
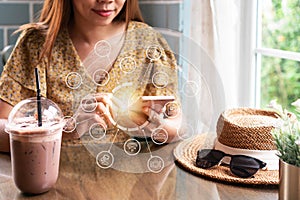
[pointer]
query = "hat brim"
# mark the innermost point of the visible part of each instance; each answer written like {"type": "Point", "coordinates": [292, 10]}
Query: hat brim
{"type": "Point", "coordinates": [186, 152]}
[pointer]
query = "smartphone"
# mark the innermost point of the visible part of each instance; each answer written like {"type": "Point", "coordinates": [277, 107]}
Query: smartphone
{"type": "Point", "coordinates": [158, 98]}
{"type": "Point", "coordinates": [160, 103]}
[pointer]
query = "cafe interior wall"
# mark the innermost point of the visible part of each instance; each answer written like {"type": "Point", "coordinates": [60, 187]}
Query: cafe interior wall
{"type": "Point", "coordinates": [14, 13]}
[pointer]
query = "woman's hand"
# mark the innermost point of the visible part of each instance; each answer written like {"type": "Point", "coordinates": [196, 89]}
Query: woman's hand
{"type": "Point", "coordinates": [5, 109]}
{"type": "Point", "coordinates": [147, 110]}
{"type": "Point", "coordinates": [163, 119]}
{"type": "Point", "coordinates": [93, 110]}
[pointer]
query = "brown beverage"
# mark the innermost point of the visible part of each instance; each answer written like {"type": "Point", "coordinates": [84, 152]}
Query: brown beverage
{"type": "Point", "coordinates": [35, 132]}
{"type": "Point", "coordinates": [35, 154]}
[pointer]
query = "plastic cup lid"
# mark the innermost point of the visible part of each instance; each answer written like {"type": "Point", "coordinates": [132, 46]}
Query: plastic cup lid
{"type": "Point", "coordinates": [24, 116]}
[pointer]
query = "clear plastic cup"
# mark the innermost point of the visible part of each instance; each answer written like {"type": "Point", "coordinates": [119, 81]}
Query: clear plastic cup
{"type": "Point", "coordinates": [35, 150]}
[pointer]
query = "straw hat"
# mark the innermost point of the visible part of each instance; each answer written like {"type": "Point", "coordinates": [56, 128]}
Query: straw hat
{"type": "Point", "coordinates": [243, 131]}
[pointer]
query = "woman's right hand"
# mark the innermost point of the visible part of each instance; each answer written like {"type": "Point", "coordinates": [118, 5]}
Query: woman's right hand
{"type": "Point", "coordinates": [93, 110]}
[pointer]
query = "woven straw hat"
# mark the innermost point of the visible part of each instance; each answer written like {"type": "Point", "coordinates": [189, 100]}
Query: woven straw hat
{"type": "Point", "coordinates": [243, 131]}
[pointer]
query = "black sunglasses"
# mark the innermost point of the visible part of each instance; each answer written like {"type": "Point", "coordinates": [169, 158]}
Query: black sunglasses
{"type": "Point", "coordinates": [240, 165]}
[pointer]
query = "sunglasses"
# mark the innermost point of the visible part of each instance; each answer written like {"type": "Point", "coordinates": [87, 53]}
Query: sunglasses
{"type": "Point", "coordinates": [240, 165]}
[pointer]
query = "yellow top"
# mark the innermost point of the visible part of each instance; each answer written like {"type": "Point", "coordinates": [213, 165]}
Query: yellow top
{"type": "Point", "coordinates": [145, 65]}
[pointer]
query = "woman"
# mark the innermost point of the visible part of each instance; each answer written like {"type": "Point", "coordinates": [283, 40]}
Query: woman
{"type": "Point", "coordinates": [61, 44]}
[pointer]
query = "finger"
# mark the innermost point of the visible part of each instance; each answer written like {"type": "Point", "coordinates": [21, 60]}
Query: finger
{"type": "Point", "coordinates": [158, 108]}
{"type": "Point", "coordinates": [106, 99]}
{"type": "Point", "coordinates": [152, 109]}
{"type": "Point", "coordinates": [109, 109]}
{"type": "Point", "coordinates": [105, 113]}
{"type": "Point", "coordinates": [138, 117]}
{"type": "Point", "coordinates": [155, 118]}
{"type": "Point", "coordinates": [101, 121]}
{"type": "Point", "coordinates": [147, 102]}
{"type": "Point", "coordinates": [146, 110]}
{"type": "Point", "coordinates": [84, 117]}
{"type": "Point", "coordinates": [86, 121]}
{"type": "Point", "coordinates": [139, 105]}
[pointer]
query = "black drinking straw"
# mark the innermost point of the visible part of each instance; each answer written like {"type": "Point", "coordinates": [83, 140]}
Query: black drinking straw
{"type": "Point", "coordinates": [38, 96]}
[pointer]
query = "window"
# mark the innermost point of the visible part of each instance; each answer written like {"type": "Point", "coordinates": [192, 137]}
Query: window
{"type": "Point", "coordinates": [277, 52]}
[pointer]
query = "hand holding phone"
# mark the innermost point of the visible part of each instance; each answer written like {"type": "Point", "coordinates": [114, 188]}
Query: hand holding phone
{"type": "Point", "coordinates": [157, 103]}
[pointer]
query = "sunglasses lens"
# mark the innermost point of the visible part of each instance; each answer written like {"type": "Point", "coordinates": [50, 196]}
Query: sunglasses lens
{"type": "Point", "coordinates": [244, 166]}
{"type": "Point", "coordinates": [207, 158]}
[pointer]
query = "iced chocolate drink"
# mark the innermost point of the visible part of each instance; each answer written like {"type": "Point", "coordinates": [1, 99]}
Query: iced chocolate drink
{"type": "Point", "coordinates": [35, 159]}
{"type": "Point", "coordinates": [35, 150]}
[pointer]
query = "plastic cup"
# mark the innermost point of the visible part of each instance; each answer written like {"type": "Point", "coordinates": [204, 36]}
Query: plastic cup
{"type": "Point", "coordinates": [35, 150]}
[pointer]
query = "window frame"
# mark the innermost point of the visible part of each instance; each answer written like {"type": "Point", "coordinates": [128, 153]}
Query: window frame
{"type": "Point", "coordinates": [260, 51]}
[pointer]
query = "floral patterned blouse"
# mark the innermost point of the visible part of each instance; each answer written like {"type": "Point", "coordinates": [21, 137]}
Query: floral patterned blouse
{"type": "Point", "coordinates": [144, 65]}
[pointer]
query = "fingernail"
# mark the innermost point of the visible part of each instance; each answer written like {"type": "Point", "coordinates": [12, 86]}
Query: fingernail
{"type": "Point", "coordinates": [146, 109]}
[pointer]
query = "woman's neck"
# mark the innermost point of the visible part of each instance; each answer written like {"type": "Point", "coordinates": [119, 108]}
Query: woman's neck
{"type": "Point", "coordinates": [94, 34]}
{"type": "Point", "coordinates": [85, 38]}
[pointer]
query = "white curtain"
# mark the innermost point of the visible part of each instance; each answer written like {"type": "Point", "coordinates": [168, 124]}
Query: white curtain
{"type": "Point", "coordinates": [218, 26]}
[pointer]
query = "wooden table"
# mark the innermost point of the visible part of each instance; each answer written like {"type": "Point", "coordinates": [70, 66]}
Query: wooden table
{"type": "Point", "coordinates": [80, 178]}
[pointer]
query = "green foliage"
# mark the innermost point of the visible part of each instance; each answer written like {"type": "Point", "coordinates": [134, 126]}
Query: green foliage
{"type": "Point", "coordinates": [287, 135]}
{"type": "Point", "coordinates": [287, 147]}
{"type": "Point", "coordinates": [280, 78]}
